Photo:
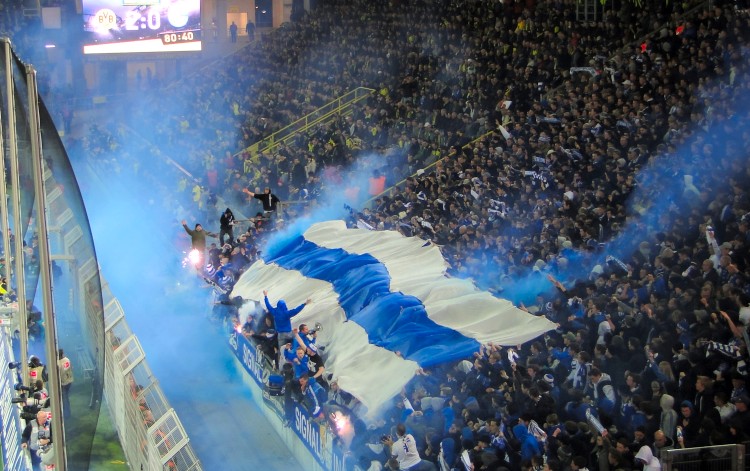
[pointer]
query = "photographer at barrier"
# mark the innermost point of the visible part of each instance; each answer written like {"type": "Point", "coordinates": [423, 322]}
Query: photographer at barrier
{"type": "Point", "coordinates": [31, 400]}
{"type": "Point", "coordinates": [37, 370]}
{"type": "Point", "coordinates": [37, 437]}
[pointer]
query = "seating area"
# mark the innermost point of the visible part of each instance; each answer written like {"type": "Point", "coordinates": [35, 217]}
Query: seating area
{"type": "Point", "coordinates": [598, 183]}
{"type": "Point", "coordinates": [592, 173]}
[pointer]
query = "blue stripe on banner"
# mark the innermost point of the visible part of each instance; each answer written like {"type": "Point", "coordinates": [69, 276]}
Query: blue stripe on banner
{"type": "Point", "coordinates": [392, 320]}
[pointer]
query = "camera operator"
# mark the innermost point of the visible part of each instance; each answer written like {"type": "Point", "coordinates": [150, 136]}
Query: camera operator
{"type": "Point", "coordinates": [32, 400]}
{"type": "Point", "coordinates": [39, 396]}
{"type": "Point", "coordinates": [37, 437]}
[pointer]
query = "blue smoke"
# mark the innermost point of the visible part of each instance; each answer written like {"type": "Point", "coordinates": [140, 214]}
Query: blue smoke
{"type": "Point", "coordinates": [673, 185]}
{"type": "Point", "coordinates": [338, 199]}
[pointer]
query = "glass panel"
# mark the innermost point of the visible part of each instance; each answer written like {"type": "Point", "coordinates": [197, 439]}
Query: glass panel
{"type": "Point", "coordinates": [77, 294]}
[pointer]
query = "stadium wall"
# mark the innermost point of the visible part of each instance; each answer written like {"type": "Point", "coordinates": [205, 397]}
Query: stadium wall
{"type": "Point", "coordinates": [312, 443]}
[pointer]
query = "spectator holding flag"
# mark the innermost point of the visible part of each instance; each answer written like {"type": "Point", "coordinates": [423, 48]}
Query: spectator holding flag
{"type": "Point", "coordinates": [405, 451]}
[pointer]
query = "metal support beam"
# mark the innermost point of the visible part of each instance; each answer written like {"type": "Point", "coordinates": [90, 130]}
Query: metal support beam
{"type": "Point", "coordinates": [15, 197]}
{"type": "Point", "coordinates": [45, 273]}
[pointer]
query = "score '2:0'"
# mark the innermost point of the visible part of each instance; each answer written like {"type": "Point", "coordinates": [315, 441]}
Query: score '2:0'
{"type": "Point", "coordinates": [153, 20]}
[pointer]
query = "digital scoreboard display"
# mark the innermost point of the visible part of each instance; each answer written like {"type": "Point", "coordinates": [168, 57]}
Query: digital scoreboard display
{"type": "Point", "coordinates": [140, 26]}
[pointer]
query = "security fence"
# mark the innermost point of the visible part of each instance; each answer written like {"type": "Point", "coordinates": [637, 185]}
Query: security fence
{"type": "Point", "coordinates": [707, 458]}
{"type": "Point", "coordinates": [13, 456]}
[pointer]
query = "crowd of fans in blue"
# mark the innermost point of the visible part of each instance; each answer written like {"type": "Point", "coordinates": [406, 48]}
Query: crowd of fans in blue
{"type": "Point", "coordinates": [599, 167]}
{"type": "Point", "coordinates": [521, 170]}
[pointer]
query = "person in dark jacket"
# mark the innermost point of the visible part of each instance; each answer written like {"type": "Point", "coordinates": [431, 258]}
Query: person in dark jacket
{"type": "Point", "coordinates": [198, 240]}
{"type": "Point", "coordinates": [268, 199]}
{"type": "Point", "coordinates": [282, 318]}
{"type": "Point", "coordinates": [226, 223]}
{"type": "Point", "coordinates": [689, 423]}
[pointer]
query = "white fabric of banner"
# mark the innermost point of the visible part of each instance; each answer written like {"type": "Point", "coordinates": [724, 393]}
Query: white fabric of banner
{"type": "Point", "coordinates": [373, 374]}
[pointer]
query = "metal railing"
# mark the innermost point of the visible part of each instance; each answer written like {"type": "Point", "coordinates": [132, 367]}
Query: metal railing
{"type": "Point", "coordinates": [390, 190]}
{"type": "Point", "coordinates": [151, 434]}
{"type": "Point", "coordinates": [705, 458]}
{"type": "Point", "coordinates": [339, 106]}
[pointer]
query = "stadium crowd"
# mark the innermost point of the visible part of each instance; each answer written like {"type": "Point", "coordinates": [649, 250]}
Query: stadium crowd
{"type": "Point", "coordinates": [594, 176]}
{"type": "Point", "coordinates": [616, 194]}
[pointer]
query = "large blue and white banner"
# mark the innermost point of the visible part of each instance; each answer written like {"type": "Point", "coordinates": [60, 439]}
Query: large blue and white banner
{"type": "Point", "coordinates": [385, 303]}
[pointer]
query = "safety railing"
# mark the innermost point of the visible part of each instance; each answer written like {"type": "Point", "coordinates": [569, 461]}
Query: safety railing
{"type": "Point", "coordinates": [12, 455]}
{"type": "Point", "coordinates": [151, 434]}
{"type": "Point", "coordinates": [339, 106]}
{"type": "Point", "coordinates": [706, 458]}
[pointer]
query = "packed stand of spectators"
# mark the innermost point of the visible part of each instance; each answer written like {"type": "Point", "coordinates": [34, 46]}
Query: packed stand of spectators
{"type": "Point", "coordinates": [422, 59]}
{"type": "Point", "coordinates": [650, 347]}
{"type": "Point", "coordinates": [649, 339]}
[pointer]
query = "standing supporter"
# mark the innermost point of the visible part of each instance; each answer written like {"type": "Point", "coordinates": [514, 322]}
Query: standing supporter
{"type": "Point", "coordinates": [404, 450]}
{"type": "Point", "coordinates": [198, 239]}
{"type": "Point", "coordinates": [226, 224]}
{"type": "Point", "coordinates": [602, 391]}
{"type": "Point", "coordinates": [668, 421]}
{"type": "Point", "coordinates": [315, 363]}
{"type": "Point", "coordinates": [529, 446]}
{"type": "Point", "coordinates": [268, 199]}
{"type": "Point", "coordinates": [646, 458]}
{"type": "Point", "coordinates": [377, 183]}
{"type": "Point", "coordinates": [282, 320]}
{"type": "Point", "coordinates": [233, 32]}
{"type": "Point", "coordinates": [306, 393]}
